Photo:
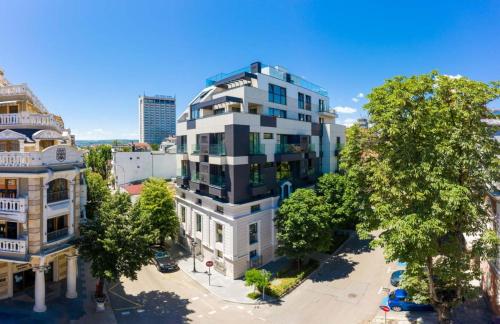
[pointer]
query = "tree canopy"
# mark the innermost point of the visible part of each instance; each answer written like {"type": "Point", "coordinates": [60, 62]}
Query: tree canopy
{"type": "Point", "coordinates": [421, 173]}
{"type": "Point", "coordinates": [157, 209]}
{"type": "Point", "coordinates": [333, 187]}
{"type": "Point", "coordinates": [98, 160]}
{"type": "Point", "coordinates": [97, 192]}
{"type": "Point", "coordinates": [303, 224]}
{"type": "Point", "coordinates": [116, 242]}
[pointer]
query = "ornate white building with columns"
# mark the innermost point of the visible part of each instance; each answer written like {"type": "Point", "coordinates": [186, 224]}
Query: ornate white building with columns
{"type": "Point", "coordinates": [42, 197]}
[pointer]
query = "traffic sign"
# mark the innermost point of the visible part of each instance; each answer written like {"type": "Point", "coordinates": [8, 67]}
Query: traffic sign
{"type": "Point", "coordinates": [385, 308]}
{"type": "Point", "coordinates": [209, 263]}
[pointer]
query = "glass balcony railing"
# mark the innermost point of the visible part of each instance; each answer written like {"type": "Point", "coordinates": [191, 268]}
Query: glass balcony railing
{"type": "Point", "coordinates": [57, 234]}
{"type": "Point", "coordinates": [257, 149]}
{"type": "Point", "coordinates": [221, 76]}
{"type": "Point", "coordinates": [311, 148]}
{"type": "Point", "coordinates": [195, 149]}
{"type": "Point", "coordinates": [195, 177]}
{"type": "Point", "coordinates": [256, 181]}
{"type": "Point", "coordinates": [217, 181]}
{"type": "Point", "coordinates": [181, 149]}
{"type": "Point", "coordinates": [288, 148]}
{"type": "Point", "coordinates": [217, 149]}
{"type": "Point", "coordinates": [311, 172]}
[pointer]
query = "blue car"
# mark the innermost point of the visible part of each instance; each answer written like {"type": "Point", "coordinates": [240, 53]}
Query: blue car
{"type": "Point", "coordinates": [396, 277]}
{"type": "Point", "coordinates": [398, 301]}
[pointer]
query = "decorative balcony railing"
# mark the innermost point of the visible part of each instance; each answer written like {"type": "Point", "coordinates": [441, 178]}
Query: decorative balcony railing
{"type": "Point", "coordinates": [217, 149]}
{"type": "Point", "coordinates": [57, 235]}
{"type": "Point", "coordinates": [20, 159]}
{"type": "Point", "coordinates": [13, 205]}
{"type": "Point", "coordinates": [56, 154]}
{"type": "Point", "coordinates": [22, 89]}
{"type": "Point", "coordinates": [12, 246]}
{"type": "Point", "coordinates": [43, 120]}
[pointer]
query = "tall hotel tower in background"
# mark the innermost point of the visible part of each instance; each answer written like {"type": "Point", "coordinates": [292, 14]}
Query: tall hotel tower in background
{"type": "Point", "coordinates": [156, 118]}
{"type": "Point", "coordinates": [245, 142]}
{"type": "Point", "coordinates": [42, 197]}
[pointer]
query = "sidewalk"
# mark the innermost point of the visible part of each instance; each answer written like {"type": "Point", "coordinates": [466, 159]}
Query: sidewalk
{"type": "Point", "coordinates": [223, 287]}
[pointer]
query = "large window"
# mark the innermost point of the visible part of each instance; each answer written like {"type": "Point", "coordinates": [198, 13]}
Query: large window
{"type": "Point", "coordinates": [301, 100]}
{"type": "Point", "coordinates": [8, 188]}
{"type": "Point", "coordinates": [198, 222]}
{"type": "Point", "coordinates": [321, 105]}
{"type": "Point", "coordinates": [183, 214]}
{"type": "Point", "coordinates": [218, 233]}
{"type": "Point", "coordinates": [57, 228]}
{"type": "Point", "coordinates": [277, 94]}
{"type": "Point", "coordinates": [308, 102]}
{"type": "Point", "coordinates": [253, 233]}
{"type": "Point", "coordinates": [277, 112]}
{"type": "Point", "coordinates": [254, 143]}
{"type": "Point", "coordinates": [58, 190]}
{"type": "Point", "coordinates": [255, 176]}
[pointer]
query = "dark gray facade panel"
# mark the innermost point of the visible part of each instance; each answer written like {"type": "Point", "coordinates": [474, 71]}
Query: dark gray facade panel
{"type": "Point", "coordinates": [255, 67]}
{"type": "Point", "coordinates": [239, 182]}
{"type": "Point", "coordinates": [315, 129]}
{"type": "Point", "coordinates": [257, 159]}
{"type": "Point", "coordinates": [191, 124]}
{"type": "Point", "coordinates": [267, 121]}
{"type": "Point", "coordinates": [237, 140]}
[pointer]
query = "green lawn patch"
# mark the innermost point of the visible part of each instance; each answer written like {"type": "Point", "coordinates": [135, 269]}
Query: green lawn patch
{"type": "Point", "coordinates": [289, 278]}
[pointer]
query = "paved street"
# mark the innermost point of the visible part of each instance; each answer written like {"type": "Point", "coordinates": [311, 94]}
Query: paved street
{"type": "Point", "coordinates": [347, 289]}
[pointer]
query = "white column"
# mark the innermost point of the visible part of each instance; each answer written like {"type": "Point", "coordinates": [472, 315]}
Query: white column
{"type": "Point", "coordinates": [71, 276]}
{"type": "Point", "coordinates": [39, 289]}
{"type": "Point", "coordinates": [44, 211]}
{"type": "Point", "coordinates": [71, 219]}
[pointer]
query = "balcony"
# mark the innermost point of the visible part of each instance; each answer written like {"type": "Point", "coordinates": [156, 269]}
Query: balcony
{"type": "Point", "coordinates": [288, 148]}
{"type": "Point", "coordinates": [257, 149]}
{"type": "Point", "coordinates": [218, 181]}
{"type": "Point", "coordinates": [16, 205]}
{"type": "Point", "coordinates": [20, 159]}
{"type": "Point", "coordinates": [328, 112]}
{"type": "Point", "coordinates": [57, 235]}
{"type": "Point", "coordinates": [56, 154]}
{"type": "Point", "coordinates": [31, 120]}
{"type": "Point", "coordinates": [218, 149]}
{"type": "Point", "coordinates": [195, 149]}
{"type": "Point", "coordinates": [257, 187]}
{"type": "Point", "coordinates": [12, 246]}
{"type": "Point", "coordinates": [21, 90]}
{"type": "Point", "coordinates": [181, 149]}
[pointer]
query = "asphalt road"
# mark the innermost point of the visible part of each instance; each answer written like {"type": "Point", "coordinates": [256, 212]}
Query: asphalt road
{"type": "Point", "coordinates": [346, 289]}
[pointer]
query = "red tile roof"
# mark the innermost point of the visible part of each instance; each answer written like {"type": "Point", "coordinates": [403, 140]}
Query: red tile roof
{"type": "Point", "coordinates": [133, 189]}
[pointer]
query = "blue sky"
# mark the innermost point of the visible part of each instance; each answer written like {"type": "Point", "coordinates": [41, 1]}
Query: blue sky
{"type": "Point", "coordinates": [89, 60]}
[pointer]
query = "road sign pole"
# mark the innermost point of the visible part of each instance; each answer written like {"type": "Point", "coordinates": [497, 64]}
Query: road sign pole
{"type": "Point", "coordinates": [209, 264]}
{"type": "Point", "coordinates": [209, 274]}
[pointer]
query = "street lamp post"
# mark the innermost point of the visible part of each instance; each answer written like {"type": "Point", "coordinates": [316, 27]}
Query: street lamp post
{"type": "Point", "coordinates": [193, 245]}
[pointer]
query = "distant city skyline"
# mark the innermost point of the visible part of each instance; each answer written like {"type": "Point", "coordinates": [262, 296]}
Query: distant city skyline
{"type": "Point", "coordinates": [91, 70]}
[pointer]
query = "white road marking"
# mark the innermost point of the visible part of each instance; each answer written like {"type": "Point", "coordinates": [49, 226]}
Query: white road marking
{"type": "Point", "coordinates": [126, 313]}
{"type": "Point", "coordinates": [205, 295]}
{"type": "Point", "coordinates": [195, 298]}
{"type": "Point", "coordinates": [224, 307]}
{"type": "Point", "coordinates": [262, 319]}
{"type": "Point", "coordinates": [250, 312]}
{"type": "Point", "coordinates": [380, 290]}
{"type": "Point", "coordinates": [140, 310]}
{"type": "Point", "coordinates": [200, 316]}
{"type": "Point", "coordinates": [240, 307]}
{"type": "Point", "coordinates": [212, 312]}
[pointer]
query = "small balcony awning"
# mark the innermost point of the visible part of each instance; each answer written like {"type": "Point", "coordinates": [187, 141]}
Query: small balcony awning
{"type": "Point", "coordinates": [213, 102]}
{"type": "Point", "coordinates": [243, 76]}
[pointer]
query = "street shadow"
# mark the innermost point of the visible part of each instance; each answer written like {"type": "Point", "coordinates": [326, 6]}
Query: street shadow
{"type": "Point", "coordinates": [358, 245]}
{"type": "Point", "coordinates": [336, 267]}
{"type": "Point", "coordinates": [152, 307]}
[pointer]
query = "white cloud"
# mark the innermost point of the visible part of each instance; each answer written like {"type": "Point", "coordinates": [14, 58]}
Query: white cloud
{"type": "Point", "coordinates": [345, 110]}
{"type": "Point", "coordinates": [360, 95]}
{"type": "Point", "coordinates": [355, 99]}
{"type": "Point", "coordinates": [348, 122]}
{"type": "Point", "coordinates": [457, 76]}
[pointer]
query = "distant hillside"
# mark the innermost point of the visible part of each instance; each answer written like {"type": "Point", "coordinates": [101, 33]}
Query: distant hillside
{"type": "Point", "coordinates": [82, 143]}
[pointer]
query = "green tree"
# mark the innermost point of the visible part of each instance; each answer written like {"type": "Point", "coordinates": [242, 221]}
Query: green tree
{"type": "Point", "coordinates": [155, 147]}
{"type": "Point", "coordinates": [259, 279]}
{"type": "Point", "coordinates": [422, 173]}
{"type": "Point", "coordinates": [332, 186]}
{"type": "Point", "coordinates": [115, 242]}
{"type": "Point", "coordinates": [97, 192]}
{"type": "Point", "coordinates": [98, 160]}
{"type": "Point", "coordinates": [158, 209]}
{"type": "Point", "coordinates": [303, 225]}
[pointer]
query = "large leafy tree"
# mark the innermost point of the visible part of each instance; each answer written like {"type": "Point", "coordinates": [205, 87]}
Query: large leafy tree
{"type": "Point", "coordinates": [98, 159]}
{"type": "Point", "coordinates": [97, 192]}
{"type": "Point", "coordinates": [303, 225]}
{"type": "Point", "coordinates": [333, 187]}
{"type": "Point", "coordinates": [116, 242]}
{"type": "Point", "coordinates": [422, 173]}
{"type": "Point", "coordinates": [157, 209]}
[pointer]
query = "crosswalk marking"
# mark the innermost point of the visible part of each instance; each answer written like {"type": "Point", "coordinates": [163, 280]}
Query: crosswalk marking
{"type": "Point", "coordinates": [195, 298]}
{"type": "Point", "coordinates": [212, 312]}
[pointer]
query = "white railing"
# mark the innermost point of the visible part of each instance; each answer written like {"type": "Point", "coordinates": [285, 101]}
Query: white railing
{"type": "Point", "coordinates": [20, 159]}
{"type": "Point", "coordinates": [13, 205]}
{"type": "Point", "coordinates": [47, 120]}
{"type": "Point", "coordinates": [22, 89]}
{"type": "Point", "coordinates": [15, 246]}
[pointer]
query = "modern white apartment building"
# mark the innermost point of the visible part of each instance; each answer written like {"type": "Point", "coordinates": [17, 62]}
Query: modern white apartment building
{"type": "Point", "coordinates": [245, 142]}
{"type": "Point", "coordinates": [156, 118]}
{"type": "Point", "coordinates": [42, 196]}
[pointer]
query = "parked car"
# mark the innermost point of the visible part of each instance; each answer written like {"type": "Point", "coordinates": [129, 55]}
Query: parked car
{"type": "Point", "coordinates": [163, 261]}
{"type": "Point", "coordinates": [398, 300]}
{"type": "Point", "coordinates": [396, 277]}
